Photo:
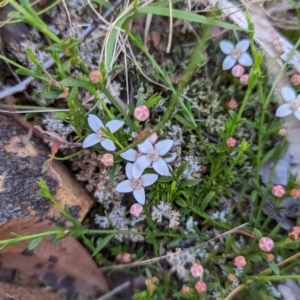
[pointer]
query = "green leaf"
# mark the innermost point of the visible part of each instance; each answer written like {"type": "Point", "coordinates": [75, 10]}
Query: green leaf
{"type": "Point", "coordinates": [76, 83]}
{"type": "Point", "coordinates": [206, 200]}
{"type": "Point", "coordinates": [290, 246]}
{"type": "Point", "coordinates": [33, 243]}
{"type": "Point", "coordinates": [61, 115]}
{"type": "Point", "coordinates": [185, 15]}
{"type": "Point", "coordinates": [274, 268]}
{"type": "Point", "coordinates": [152, 100]}
{"type": "Point", "coordinates": [50, 94]}
{"type": "Point", "coordinates": [184, 121]}
{"type": "Point", "coordinates": [103, 242]}
{"type": "Point", "coordinates": [180, 202]}
{"type": "Point", "coordinates": [181, 168]}
{"type": "Point", "coordinates": [188, 182]}
{"type": "Point", "coordinates": [165, 179]}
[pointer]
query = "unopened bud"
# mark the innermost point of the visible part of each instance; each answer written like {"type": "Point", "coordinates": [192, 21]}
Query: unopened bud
{"type": "Point", "coordinates": [95, 76]}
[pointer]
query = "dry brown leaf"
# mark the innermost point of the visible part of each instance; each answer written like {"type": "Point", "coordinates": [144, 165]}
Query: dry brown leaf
{"type": "Point", "coordinates": [15, 292]}
{"type": "Point", "coordinates": [66, 265]}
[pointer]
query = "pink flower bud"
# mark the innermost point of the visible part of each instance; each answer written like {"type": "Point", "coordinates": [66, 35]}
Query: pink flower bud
{"type": "Point", "coordinates": [239, 261]}
{"type": "Point", "coordinates": [237, 71]}
{"type": "Point", "coordinates": [142, 113]}
{"type": "Point", "coordinates": [270, 257]}
{"type": "Point", "coordinates": [152, 138]}
{"type": "Point", "coordinates": [231, 277]}
{"type": "Point", "coordinates": [185, 289]}
{"type": "Point", "coordinates": [244, 79]}
{"type": "Point", "coordinates": [119, 256]}
{"type": "Point", "coordinates": [196, 270]}
{"type": "Point", "coordinates": [295, 193]}
{"type": "Point", "coordinates": [54, 148]}
{"type": "Point", "coordinates": [295, 79]}
{"type": "Point", "coordinates": [278, 190]}
{"type": "Point", "coordinates": [231, 142]}
{"type": "Point", "coordinates": [232, 104]}
{"type": "Point", "coordinates": [107, 159]}
{"type": "Point", "coordinates": [294, 233]}
{"type": "Point", "coordinates": [136, 209]}
{"type": "Point", "coordinates": [95, 76]}
{"type": "Point", "coordinates": [282, 131]}
{"type": "Point", "coordinates": [53, 82]}
{"type": "Point", "coordinates": [126, 258]}
{"type": "Point", "coordinates": [200, 287]}
{"type": "Point", "coordinates": [266, 244]}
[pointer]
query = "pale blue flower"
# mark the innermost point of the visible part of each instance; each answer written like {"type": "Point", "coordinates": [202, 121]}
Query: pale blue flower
{"type": "Point", "coordinates": [136, 184]}
{"type": "Point", "coordinates": [293, 103]}
{"type": "Point", "coordinates": [236, 54]}
{"type": "Point", "coordinates": [98, 136]}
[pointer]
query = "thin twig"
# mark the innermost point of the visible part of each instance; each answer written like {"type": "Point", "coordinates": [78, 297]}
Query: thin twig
{"type": "Point", "coordinates": [115, 291]}
{"type": "Point", "coordinates": [50, 62]}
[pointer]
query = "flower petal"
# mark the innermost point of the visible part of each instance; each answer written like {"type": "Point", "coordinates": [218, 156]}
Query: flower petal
{"type": "Point", "coordinates": [95, 123]}
{"type": "Point", "coordinates": [161, 167]}
{"type": "Point", "coordinates": [124, 187]}
{"type": "Point", "coordinates": [143, 162]}
{"type": "Point", "coordinates": [136, 172]}
{"type": "Point", "coordinates": [164, 146]}
{"type": "Point", "coordinates": [245, 60]}
{"type": "Point", "coordinates": [171, 158]}
{"type": "Point", "coordinates": [288, 94]}
{"type": "Point", "coordinates": [146, 146]}
{"type": "Point", "coordinates": [243, 45]}
{"type": "Point", "coordinates": [149, 179]}
{"type": "Point", "coordinates": [91, 140]}
{"type": "Point", "coordinates": [128, 171]}
{"type": "Point", "coordinates": [114, 125]}
{"type": "Point", "coordinates": [297, 114]}
{"type": "Point", "coordinates": [130, 155]}
{"type": "Point", "coordinates": [284, 110]}
{"type": "Point", "coordinates": [108, 145]}
{"type": "Point", "coordinates": [228, 62]}
{"type": "Point", "coordinates": [139, 195]}
{"type": "Point", "coordinates": [226, 46]}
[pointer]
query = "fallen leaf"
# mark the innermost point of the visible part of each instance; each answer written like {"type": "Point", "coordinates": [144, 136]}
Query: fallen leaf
{"type": "Point", "coordinates": [65, 265]}
{"type": "Point", "coordinates": [15, 292]}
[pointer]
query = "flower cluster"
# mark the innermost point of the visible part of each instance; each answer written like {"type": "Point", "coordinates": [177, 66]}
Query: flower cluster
{"type": "Point", "coordinates": [149, 155]}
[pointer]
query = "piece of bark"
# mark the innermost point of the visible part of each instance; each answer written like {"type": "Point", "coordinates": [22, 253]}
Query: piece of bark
{"type": "Point", "coordinates": [10, 291]}
{"type": "Point", "coordinates": [22, 160]}
{"type": "Point", "coordinates": [64, 265]}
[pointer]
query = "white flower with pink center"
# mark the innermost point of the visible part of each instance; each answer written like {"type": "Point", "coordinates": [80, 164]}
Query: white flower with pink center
{"type": "Point", "coordinates": [136, 184]}
{"type": "Point", "coordinates": [152, 156]}
{"type": "Point", "coordinates": [99, 136]}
